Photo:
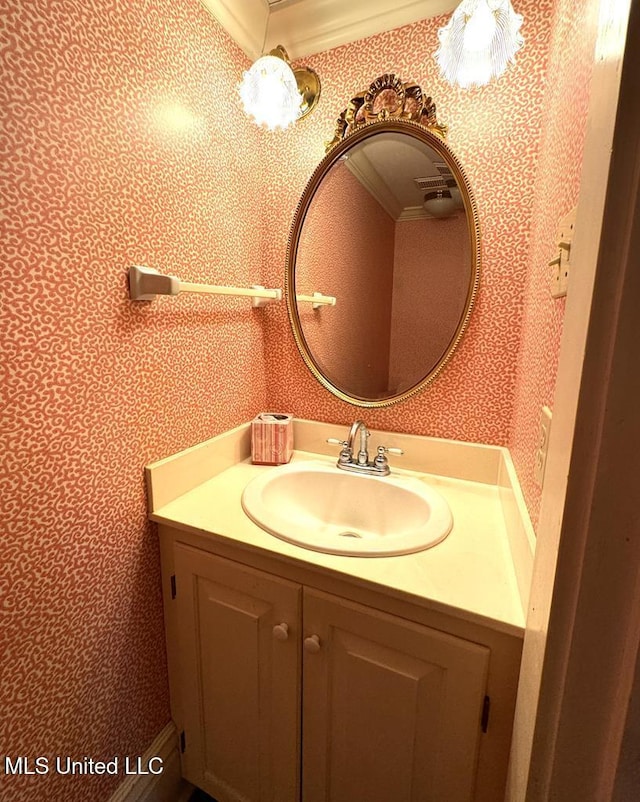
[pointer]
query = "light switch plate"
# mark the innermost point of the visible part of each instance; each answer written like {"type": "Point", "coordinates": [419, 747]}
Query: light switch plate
{"type": "Point", "coordinates": [561, 265]}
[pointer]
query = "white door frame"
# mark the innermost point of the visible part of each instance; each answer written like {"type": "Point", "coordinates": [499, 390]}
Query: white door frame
{"type": "Point", "coordinates": [574, 721]}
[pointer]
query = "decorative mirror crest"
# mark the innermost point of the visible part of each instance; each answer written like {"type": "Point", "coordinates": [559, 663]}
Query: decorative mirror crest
{"type": "Point", "coordinates": [387, 98]}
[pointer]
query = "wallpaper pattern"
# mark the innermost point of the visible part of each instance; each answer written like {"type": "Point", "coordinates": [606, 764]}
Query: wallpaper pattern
{"type": "Point", "coordinates": [496, 132]}
{"type": "Point", "coordinates": [555, 193]}
{"type": "Point", "coordinates": [432, 277]}
{"type": "Point", "coordinates": [121, 146]}
{"type": "Point", "coordinates": [350, 340]}
{"type": "Point", "coordinates": [521, 141]}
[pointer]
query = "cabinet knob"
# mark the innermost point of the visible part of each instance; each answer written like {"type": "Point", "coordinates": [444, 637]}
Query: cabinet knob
{"type": "Point", "coordinates": [312, 644]}
{"type": "Point", "coordinates": [281, 631]}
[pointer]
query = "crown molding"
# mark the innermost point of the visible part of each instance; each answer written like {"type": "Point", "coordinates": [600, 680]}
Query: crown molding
{"type": "Point", "coordinates": [244, 20]}
{"type": "Point", "coordinates": [360, 166]}
{"type": "Point", "coordinates": [305, 27]}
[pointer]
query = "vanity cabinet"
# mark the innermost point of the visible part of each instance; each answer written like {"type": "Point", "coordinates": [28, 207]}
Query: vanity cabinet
{"type": "Point", "coordinates": [287, 693]}
{"type": "Point", "coordinates": [391, 709]}
{"type": "Point", "coordinates": [239, 678]}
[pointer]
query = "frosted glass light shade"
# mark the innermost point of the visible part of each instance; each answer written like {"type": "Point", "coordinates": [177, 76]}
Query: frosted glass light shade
{"type": "Point", "coordinates": [479, 41]}
{"type": "Point", "coordinates": [269, 93]}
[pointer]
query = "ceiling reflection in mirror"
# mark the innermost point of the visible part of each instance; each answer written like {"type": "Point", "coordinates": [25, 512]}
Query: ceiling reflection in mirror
{"type": "Point", "coordinates": [386, 243]}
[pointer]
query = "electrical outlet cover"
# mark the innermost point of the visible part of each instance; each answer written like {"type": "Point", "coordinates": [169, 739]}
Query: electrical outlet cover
{"type": "Point", "coordinates": [543, 445]}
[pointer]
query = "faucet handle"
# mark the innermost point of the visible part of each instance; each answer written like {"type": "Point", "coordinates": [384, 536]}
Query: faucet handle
{"type": "Point", "coordinates": [381, 462]}
{"type": "Point", "coordinates": [345, 454]}
{"type": "Point", "coordinates": [382, 450]}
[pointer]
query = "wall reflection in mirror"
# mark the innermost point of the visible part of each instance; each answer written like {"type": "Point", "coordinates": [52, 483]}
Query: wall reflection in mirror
{"type": "Point", "coordinates": [400, 275]}
{"type": "Point", "coordinates": [387, 233]}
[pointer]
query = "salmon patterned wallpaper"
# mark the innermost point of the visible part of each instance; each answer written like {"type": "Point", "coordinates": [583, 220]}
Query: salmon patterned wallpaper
{"type": "Point", "coordinates": [429, 294]}
{"type": "Point", "coordinates": [333, 260]}
{"type": "Point", "coordinates": [564, 132]}
{"type": "Point", "coordinates": [121, 145]}
{"type": "Point", "coordinates": [515, 137]}
{"type": "Point", "coordinates": [496, 133]}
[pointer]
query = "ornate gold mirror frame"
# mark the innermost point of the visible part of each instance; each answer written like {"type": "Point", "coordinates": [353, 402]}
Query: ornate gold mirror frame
{"type": "Point", "coordinates": [389, 105]}
{"type": "Point", "coordinates": [388, 98]}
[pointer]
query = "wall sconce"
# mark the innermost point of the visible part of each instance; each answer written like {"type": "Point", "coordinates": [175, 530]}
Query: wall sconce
{"type": "Point", "coordinates": [276, 95]}
{"type": "Point", "coordinates": [440, 203]}
{"type": "Point", "coordinates": [479, 41]}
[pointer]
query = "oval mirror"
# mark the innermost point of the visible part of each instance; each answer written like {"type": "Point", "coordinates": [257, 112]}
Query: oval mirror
{"type": "Point", "coordinates": [383, 259]}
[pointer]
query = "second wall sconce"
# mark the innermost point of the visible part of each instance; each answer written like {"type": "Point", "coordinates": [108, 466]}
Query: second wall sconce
{"type": "Point", "coordinates": [275, 94]}
{"type": "Point", "coordinates": [479, 41]}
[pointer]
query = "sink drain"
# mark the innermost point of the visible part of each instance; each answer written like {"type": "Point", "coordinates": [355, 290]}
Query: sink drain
{"type": "Point", "coordinates": [350, 534]}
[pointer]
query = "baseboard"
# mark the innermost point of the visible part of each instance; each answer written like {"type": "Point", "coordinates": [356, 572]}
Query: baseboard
{"type": "Point", "coordinates": [166, 787]}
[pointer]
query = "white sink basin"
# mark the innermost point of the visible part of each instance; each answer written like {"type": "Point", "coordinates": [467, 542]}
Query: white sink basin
{"type": "Point", "coordinates": [320, 507]}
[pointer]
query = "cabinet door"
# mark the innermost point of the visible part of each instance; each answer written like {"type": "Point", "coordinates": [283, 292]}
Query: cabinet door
{"type": "Point", "coordinates": [239, 678]}
{"type": "Point", "coordinates": [391, 709]}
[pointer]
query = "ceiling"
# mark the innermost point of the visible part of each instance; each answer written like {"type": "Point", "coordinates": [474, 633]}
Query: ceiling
{"type": "Point", "coordinates": [305, 27]}
{"type": "Point", "coordinates": [397, 171]}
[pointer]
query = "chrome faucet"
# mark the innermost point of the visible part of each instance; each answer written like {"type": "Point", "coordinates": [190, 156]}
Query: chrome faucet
{"type": "Point", "coordinates": [361, 464]}
{"type": "Point", "coordinates": [363, 454]}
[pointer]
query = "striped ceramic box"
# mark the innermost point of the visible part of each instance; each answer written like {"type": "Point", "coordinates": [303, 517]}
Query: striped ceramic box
{"type": "Point", "coordinates": [271, 438]}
